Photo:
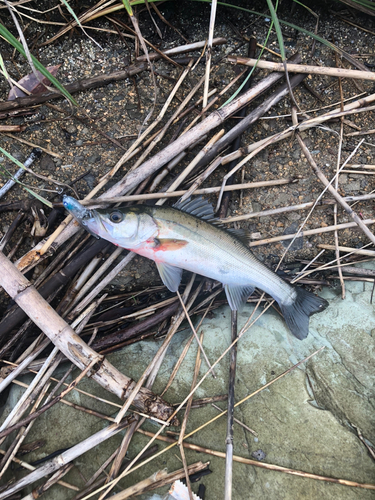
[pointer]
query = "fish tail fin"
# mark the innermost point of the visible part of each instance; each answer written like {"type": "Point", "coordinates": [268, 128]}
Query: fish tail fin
{"type": "Point", "coordinates": [297, 314]}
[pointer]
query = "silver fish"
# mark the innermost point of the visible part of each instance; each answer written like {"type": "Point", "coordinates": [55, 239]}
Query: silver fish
{"type": "Point", "coordinates": [186, 237]}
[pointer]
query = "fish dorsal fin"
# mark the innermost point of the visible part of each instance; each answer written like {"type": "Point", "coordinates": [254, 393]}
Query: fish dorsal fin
{"type": "Point", "coordinates": [242, 234]}
{"type": "Point", "coordinates": [237, 295]}
{"type": "Point", "coordinates": [196, 206]}
{"type": "Point", "coordinates": [170, 275]}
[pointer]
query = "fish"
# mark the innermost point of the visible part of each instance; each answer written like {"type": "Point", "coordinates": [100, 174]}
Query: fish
{"type": "Point", "coordinates": [186, 236]}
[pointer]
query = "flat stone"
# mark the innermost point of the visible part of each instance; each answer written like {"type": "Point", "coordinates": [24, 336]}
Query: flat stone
{"type": "Point", "coordinates": [306, 420]}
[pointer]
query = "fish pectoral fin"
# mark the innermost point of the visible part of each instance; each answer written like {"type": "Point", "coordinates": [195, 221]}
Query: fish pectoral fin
{"type": "Point", "coordinates": [170, 275]}
{"type": "Point", "coordinates": [164, 244]}
{"type": "Point", "coordinates": [237, 295]}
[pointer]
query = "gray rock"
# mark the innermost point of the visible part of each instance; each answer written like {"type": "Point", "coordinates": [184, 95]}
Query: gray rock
{"type": "Point", "coordinates": [72, 129]}
{"type": "Point", "coordinates": [352, 186]}
{"type": "Point", "coordinates": [94, 158]}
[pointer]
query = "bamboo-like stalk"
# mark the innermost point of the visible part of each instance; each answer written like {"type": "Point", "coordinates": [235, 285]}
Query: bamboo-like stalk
{"type": "Point", "coordinates": [155, 363]}
{"type": "Point", "coordinates": [357, 106]}
{"type": "Point", "coordinates": [66, 457]}
{"type": "Point", "coordinates": [190, 47]}
{"type": "Point", "coordinates": [262, 465]}
{"type": "Point", "coordinates": [237, 421]}
{"type": "Point", "coordinates": [195, 335]}
{"type": "Point", "coordinates": [131, 467]}
{"type": "Point", "coordinates": [27, 466]}
{"type": "Point", "coordinates": [209, 52]}
{"type": "Point", "coordinates": [333, 191]}
{"type": "Point", "coordinates": [369, 253]}
{"type": "Point", "coordinates": [24, 364]}
{"type": "Point", "coordinates": [64, 337]}
{"type": "Point", "coordinates": [193, 188]}
{"type": "Point", "coordinates": [309, 232]}
{"type": "Point", "coordinates": [95, 277]}
{"type": "Point", "coordinates": [104, 282]}
{"type": "Point", "coordinates": [185, 349]}
{"type": "Point", "coordinates": [292, 208]}
{"type": "Point", "coordinates": [177, 182]}
{"type": "Point", "coordinates": [55, 478]}
{"type": "Point", "coordinates": [21, 435]}
{"type": "Point", "coordinates": [177, 194]}
{"type": "Point", "coordinates": [152, 482]}
{"type": "Point", "coordinates": [230, 411]}
{"type": "Point", "coordinates": [186, 416]}
{"type": "Point", "coordinates": [302, 68]}
{"type": "Point", "coordinates": [26, 398]}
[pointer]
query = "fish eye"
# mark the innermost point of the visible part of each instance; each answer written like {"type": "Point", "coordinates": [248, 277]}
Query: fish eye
{"type": "Point", "coordinates": [116, 217]}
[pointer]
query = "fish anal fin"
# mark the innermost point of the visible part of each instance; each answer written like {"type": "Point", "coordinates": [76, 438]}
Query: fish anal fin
{"type": "Point", "coordinates": [170, 275]}
{"type": "Point", "coordinates": [164, 244]}
{"type": "Point", "coordinates": [237, 295]}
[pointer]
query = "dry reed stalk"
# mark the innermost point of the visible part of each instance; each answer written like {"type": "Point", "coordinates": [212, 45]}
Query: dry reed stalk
{"type": "Point", "coordinates": [188, 298]}
{"type": "Point", "coordinates": [187, 346]}
{"type": "Point", "coordinates": [369, 253]}
{"type": "Point", "coordinates": [149, 484]}
{"type": "Point", "coordinates": [22, 404]}
{"type": "Point", "coordinates": [11, 425]}
{"type": "Point", "coordinates": [190, 47]}
{"type": "Point", "coordinates": [302, 68]}
{"type": "Point", "coordinates": [104, 282]}
{"type": "Point", "coordinates": [21, 435]}
{"type": "Point", "coordinates": [27, 466]}
{"type": "Point", "coordinates": [175, 442]}
{"type": "Point", "coordinates": [186, 416]}
{"type": "Point", "coordinates": [351, 108]}
{"type": "Point", "coordinates": [262, 465]}
{"type": "Point", "coordinates": [201, 178]}
{"type": "Point", "coordinates": [309, 232]}
{"type": "Point", "coordinates": [55, 478]}
{"type": "Point", "coordinates": [177, 194]}
{"type": "Point", "coordinates": [23, 365]}
{"type": "Point", "coordinates": [138, 488]}
{"type": "Point", "coordinates": [237, 421]}
{"type": "Point", "coordinates": [64, 337]}
{"type": "Point", "coordinates": [177, 182]}
{"type": "Point", "coordinates": [359, 165]}
{"type": "Point", "coordinates": [28, 143]}
{"type": "Point", "coordinates": [336, 187]}
{"type": "Point", "coordinates": [208, 60]}
{"type": "Point", "coordinates": [230, 410]}
{"type": "Point", "coordinates": [155, 123]}
{"type": "Point", "coordinates": [292, 208]}
{"type": "Point", "coordinates": [66, 457]}
{"type": "Point", "coordinates": [151, 369]}
{"type": "Point", "coordinates": [361, 172]}
{"type": "Point", "coordinates": [333, 191]}
{"type": "Point", "coordinates": [195, 334]}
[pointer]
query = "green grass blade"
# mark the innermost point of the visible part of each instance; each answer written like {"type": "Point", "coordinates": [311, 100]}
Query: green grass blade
{"type": "Point", "coordinates": [18, 46]}
{"type": "Point", "coordinates": [20, 165]}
